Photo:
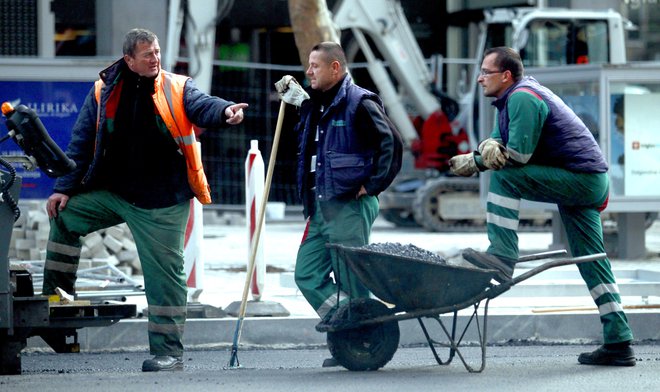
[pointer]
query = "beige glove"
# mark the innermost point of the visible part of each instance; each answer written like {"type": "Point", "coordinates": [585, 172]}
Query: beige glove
{"type": "Point", "coordinates": [463, 165]}
{"type": "Point", "coordinates": [494, 155]}
{"type": "Point", "coordinates": [291, 91]}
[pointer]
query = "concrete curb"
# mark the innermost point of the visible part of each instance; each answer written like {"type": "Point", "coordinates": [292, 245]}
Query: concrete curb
{"type": "Point", "coordinates": [288, 332]}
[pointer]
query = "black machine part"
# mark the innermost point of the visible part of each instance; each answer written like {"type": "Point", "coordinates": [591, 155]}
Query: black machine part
{"type": "Point", "coordinates": [5, 186]}
{"type": "Point", "coordinates": [30, 134]}
{"type": "Point", "coordinates": [23, 314]}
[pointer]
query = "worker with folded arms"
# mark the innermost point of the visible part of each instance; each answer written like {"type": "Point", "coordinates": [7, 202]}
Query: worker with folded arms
{"type": "Point", "coordinates": [541, 151]}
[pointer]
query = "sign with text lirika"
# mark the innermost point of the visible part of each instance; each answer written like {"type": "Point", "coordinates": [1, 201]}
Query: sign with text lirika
{"type": "Point", "coordinates": [57, 104]}
{"type": "Point", "coordinates": [642, 149]}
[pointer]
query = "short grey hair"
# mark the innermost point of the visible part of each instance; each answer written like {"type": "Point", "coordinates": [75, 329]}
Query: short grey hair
{"type": "Point", "coordinates": [331, 51]}
{"type": "Point", "coordinates": [135, 36]}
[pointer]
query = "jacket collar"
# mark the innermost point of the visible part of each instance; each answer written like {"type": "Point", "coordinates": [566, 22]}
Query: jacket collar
{"type": "Point", "coordinates": [527, 81]}
{"type": "Point", "coordinates": [333, 95]}
{"type": "Point", "coordinates": [341, 93]}
{"type": "Point", "coordinates": [111, 74]}
{"type": "Point", "coordinates": [500, 102]}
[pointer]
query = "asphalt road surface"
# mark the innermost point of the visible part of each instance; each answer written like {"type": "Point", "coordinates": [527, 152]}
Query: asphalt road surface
{"type": "Point", "coordinates": [508, 368]}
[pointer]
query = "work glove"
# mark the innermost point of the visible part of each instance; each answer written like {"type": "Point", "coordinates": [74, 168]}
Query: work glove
{"type": "Point", "coordinates": [291, 91]}
{"type": "Point", "coordinates": [493, 154]}
{"type": "Point", "coordinates": [463, 165]}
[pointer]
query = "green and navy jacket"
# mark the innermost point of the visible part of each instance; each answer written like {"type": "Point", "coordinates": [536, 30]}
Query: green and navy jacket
{"type": "Point", "coordinates": [537, 127]}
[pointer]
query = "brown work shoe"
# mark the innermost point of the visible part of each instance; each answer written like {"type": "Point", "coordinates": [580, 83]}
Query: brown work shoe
{"type": "Point", "coordinates": [624, 356]}
{"type": "Point", "coordinates": [502, 265]}
{"type": "Point", "coordinates": [162, 363]}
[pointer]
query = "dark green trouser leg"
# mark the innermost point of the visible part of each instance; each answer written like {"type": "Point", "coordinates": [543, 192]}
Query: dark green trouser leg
{"type": "Point", "coordinates": [578, 197]}
{"type": "Point", "coordinates": [314, 263]}
{"type": "Point", "coordinates": [585, 237]}
{"type": "Point", "coordinates": [159, 236]}
{"type": "Point", "coordinates": [84, 213]}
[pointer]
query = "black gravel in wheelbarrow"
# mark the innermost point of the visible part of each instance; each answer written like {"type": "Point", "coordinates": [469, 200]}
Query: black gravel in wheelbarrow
{"type": "Point", "coordinates": [409, 251]}
{"type": "Point", "coordinates": [413, 283]}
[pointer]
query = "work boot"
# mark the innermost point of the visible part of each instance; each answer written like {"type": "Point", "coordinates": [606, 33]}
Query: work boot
{"type": "Point", "coordinates": [621, 355]}
{"type": "Point", "coordinates": [323, 325]}
{"type": "Point", "coordinates": [162, 363]}
{"type": "Point", "coordinates": [330, 362]}
{"type": "Point", "coordinates": [502, 265]}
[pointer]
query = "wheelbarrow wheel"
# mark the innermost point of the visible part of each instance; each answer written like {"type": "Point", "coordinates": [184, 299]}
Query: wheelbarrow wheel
{"type": "Point", "coordinates": [367, 347]}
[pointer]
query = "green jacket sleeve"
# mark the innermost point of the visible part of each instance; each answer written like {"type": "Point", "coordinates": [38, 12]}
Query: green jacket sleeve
{"type": "Point", "coordinates": [527, 114]}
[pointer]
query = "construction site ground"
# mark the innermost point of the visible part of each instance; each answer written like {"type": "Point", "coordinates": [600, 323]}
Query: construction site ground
{"type": "Point", "coordinates": [552, 307]}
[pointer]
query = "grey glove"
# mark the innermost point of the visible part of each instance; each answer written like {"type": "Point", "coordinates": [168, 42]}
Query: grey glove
{"type": "Point", "coordinates": [494, 155]}
{"type": "Point", "coordinates": [463, 165]}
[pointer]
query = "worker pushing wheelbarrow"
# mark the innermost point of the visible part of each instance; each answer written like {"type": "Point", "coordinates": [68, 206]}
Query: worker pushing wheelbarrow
{"type": "Point", "coordinates": [363, 333]}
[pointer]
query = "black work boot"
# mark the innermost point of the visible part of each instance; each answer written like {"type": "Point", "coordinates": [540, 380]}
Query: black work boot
{"type": "Point", "coordinates": [162, 363]}
{"type": "Point", "coordinates": [324, 324]}
{"type": "Point", "coordinates": [502, 265]}
{"type": "Point", "coordinates": [610, 355]}
{"type": "Point", "coordinates": [330, 362]}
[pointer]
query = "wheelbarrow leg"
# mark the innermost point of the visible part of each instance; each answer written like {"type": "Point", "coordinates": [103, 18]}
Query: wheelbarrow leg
{"type": "Point", "coordinates": [455, 342]}
{"type": "Point", "coordinates": [482, 339]}
{"type": "Point", "coordinates": [433, 343]}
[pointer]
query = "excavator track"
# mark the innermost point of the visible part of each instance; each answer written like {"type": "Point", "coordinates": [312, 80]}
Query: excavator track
{"type": "Point", "coordinates": [448, 204]}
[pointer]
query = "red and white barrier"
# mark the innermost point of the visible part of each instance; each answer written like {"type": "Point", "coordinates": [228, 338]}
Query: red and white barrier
{"type": "Point", "coordinates": [193, 262]}
{"type": "Point", "coordinates": [254, 192]}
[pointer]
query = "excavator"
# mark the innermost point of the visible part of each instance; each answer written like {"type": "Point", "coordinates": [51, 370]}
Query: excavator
{"type": "Point", "coordinates": [437, 127]}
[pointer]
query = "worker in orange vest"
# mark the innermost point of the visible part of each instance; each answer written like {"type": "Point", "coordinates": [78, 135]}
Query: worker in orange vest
{"type": "Point", "coordinates": [138, 161]}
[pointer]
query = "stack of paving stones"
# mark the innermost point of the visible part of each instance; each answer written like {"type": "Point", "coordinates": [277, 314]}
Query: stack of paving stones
{"type": "Point", "coordinates": [114, 245]}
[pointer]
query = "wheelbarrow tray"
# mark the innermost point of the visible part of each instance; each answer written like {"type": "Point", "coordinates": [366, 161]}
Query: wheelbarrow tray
{"type": "Point", "coordinates": [414, 284]}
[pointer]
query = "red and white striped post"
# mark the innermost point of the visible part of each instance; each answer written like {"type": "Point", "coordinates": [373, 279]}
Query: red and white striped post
{"type": "Point", "coordinates": [193, 262]}
{"type": "Point", "coordinates": [254, 192]}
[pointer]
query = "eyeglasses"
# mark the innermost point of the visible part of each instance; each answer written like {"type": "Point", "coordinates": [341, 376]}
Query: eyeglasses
{"type": "Point", "coordinates": [486, 72]}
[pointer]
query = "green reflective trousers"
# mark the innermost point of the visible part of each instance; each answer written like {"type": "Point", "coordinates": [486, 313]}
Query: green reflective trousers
{"type": "Point", "coordinates": [159, 236]}
{"type": "Point", "coordinates": [315, 263]}
{"type": "Point", "coordinates": [579, 198]}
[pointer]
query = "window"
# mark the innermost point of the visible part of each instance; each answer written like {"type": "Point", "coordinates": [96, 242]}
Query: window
{"type": "Point", "coordinates": [18, 28]}
{"type": "Point", "coordinates": [555, 43]}
{"type": "Point", "coordinates": [75, 27]}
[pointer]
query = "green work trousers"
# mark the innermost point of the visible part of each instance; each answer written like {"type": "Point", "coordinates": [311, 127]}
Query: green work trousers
{"type": "Point", "coordinates": [314, 263]}
{"type": "Point", "coordinates": [579, 198]}
{"type": "Point", "coordinates": [159, 236]}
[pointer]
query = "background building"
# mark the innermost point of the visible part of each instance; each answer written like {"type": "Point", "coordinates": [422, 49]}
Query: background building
{"type": "Point", "coordinates": [253, 47]}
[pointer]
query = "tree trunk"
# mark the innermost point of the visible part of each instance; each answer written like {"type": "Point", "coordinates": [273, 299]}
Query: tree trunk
{"type": "Point", "coordinates": [311, 23]}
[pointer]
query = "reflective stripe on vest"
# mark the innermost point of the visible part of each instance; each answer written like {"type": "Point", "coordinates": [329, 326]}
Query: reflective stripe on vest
{"type": "Point", "coordinates": [168, 99]}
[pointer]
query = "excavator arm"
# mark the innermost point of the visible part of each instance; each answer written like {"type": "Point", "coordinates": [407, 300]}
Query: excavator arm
{"type": "Point", "coordinates": [385, 23]}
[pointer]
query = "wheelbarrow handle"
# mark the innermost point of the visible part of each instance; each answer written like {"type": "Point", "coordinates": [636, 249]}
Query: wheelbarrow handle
{"type": "Point", "coordinates": [556, 263]}
{"type": "Point", "coordinates": [542, 255]}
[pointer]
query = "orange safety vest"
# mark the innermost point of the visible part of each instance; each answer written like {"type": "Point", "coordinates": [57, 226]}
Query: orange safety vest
{"type": "Point", "coordinates": [168, 99]}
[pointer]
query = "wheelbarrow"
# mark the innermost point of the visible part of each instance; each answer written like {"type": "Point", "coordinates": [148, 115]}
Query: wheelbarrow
{"type": "Point", "coordinates": [363, 334]}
